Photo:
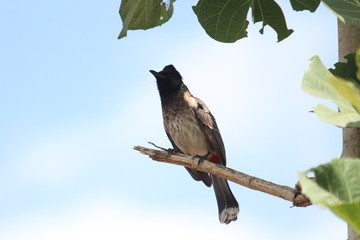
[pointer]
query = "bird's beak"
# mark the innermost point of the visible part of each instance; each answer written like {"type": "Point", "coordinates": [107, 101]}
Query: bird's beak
{"type": "Point", "coordinates": [154, 73]}
{"type": "Point", "coordinates": [157, 75]}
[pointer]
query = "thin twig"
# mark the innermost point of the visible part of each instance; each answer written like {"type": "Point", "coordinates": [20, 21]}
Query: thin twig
{"type": "Point", "coordinates": [164, 149]}
{"type": "Point", "coordinates": [293, 195]}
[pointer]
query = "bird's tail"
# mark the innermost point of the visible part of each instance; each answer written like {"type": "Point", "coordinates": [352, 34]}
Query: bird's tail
{"type": "Point", "coordinates": [227, 204]}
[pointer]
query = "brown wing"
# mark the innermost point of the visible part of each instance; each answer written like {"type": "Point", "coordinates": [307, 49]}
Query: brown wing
{"type": "Point", "coordinates": [210, 128]}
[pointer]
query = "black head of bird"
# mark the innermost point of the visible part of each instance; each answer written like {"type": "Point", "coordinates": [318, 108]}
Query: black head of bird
{"type": "Point", "coordinates": [168, 80]}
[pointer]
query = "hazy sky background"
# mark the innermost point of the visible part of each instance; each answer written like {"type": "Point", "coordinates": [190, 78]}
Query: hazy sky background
{"type": "Point", "coordinates": [74, 100]}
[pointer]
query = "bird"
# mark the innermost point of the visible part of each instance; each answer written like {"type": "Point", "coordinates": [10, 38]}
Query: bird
{"type": "Point", "coordinates": [192, 130]}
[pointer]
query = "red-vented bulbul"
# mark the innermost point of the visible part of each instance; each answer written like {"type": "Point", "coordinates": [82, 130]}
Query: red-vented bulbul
{"type": "Point", "coordinates": [192, 130]}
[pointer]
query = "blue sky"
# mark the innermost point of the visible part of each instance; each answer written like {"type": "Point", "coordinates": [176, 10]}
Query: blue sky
{"type": "Point", "coordinates": [75, 100]}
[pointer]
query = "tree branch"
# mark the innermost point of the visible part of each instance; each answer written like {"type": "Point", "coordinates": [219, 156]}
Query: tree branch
{"type": "Point", "coordinates": [349, 42]}
{"type": "Point", "coordinates": [293, 195]}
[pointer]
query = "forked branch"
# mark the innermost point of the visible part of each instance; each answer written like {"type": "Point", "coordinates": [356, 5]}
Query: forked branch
{"type": "Point", "coordinates": [293, 195]}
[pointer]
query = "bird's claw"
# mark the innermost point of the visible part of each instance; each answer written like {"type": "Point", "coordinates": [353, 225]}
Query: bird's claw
{"type": "Point", "coordinates": [170, 151]}
{"type": "Point", "coordinates": [201, 158]}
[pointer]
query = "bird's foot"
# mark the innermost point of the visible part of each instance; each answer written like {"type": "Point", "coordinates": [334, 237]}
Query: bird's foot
{"type": "Point", "coordinates": [171, 151]}
{"type": "Point", "coordinates": [202, 158]}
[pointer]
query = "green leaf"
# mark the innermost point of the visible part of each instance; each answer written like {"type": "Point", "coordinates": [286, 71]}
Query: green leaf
{"type": "Point", "coordinates": [225, 20]}
{"type": "Point", "coordinates": [357, 63]}
{"type": "Point", "coordinates": [300, 5]}
{"type": "Point", "coordinates": [269, 12]}
{"type": "Point", "coordinates": [348, 11]}
{"type": "Point", "coordinates": [346, 82]}
{"type": "Point", "coordinates": [317, 82]}
{"type": "Point", "coordinates": [348, 90]}
{"type": "Point", "coordinates": [336, 186]}
{"type": "Point", "coordinates": [144, 14]}
{"type": "Point", "coordinates": [343, 119]}
{"type": "Point", "coordinates": [346, 70]}
{"type": "Point", "coordinates": [348, 212]}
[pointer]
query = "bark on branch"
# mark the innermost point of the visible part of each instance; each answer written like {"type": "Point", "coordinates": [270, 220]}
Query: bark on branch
{"type": "Point", "coordinates": [293, 195]}
{"type": "Point", "coordinates": [349, 42]}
